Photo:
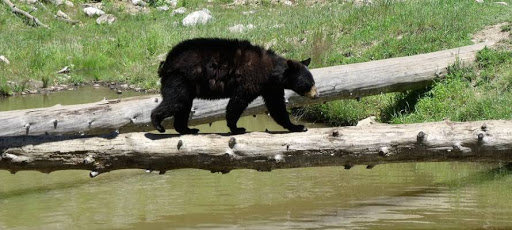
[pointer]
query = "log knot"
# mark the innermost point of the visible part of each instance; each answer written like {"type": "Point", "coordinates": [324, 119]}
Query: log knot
{"type": "Point", "coordinates": [421, 137]}
{"type": "Point", "coordinates": [232, 142]}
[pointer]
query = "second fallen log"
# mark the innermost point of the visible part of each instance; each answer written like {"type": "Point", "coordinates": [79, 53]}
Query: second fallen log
{"type": "Point", "coordinates": [336, 82]}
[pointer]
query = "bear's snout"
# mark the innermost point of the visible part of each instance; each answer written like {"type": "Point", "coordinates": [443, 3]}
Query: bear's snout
{"type": "Point", "coordinates": [313, 94]}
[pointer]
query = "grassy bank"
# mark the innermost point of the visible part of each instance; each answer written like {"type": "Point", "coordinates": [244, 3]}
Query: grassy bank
{"type": "Point", "coordinates": [331, 33]}
{"type": "Point", "coordinates": [476, 92]}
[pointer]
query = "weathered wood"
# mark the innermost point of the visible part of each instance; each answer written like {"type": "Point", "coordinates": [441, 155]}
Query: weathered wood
{"type": "Point", "coordinates": [337, 82]}
{"type": "Point", "coordinates": [33, 20]}
{"type": "Point", "coordinates": [483, 141]}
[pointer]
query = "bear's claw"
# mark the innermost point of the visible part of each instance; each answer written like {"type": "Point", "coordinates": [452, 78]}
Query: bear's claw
{"type": "Point", "coordinates": [237, 131]}
{"type": "Point", "coordinates": [298, 128]}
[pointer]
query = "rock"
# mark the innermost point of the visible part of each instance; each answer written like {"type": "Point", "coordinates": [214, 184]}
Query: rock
{"type": "Point", "coordinates": [248, 12]}
{"type": "Point", "coordinates": [172, 3]}
{"type": "Point", "coordinates": [33, 91]}
{"type": "Point", "coordinates": [96, 85]}
{"type": "Point", "coordinates": [161, 57]}
{"type": "Point", "coordinates": [479, 1]}
{"type": "Point", "coordinates": [124, 86]}
{"type": "Point", "coordinates": [106, 18]}
{"type": "Point", "coordinates": [502, 3]}
{"type": "Point", "coordinates": [93, 11]}
{"type": "Point", "coordinates": [57, 2]}
{"type": "Point", "coordinates": [119, 92]}
{"type": "Point", "coordinates": [69, 4]}
{"type": "Point", "coordinates": [66, 68]}
{"type": "Point", "coordinates": [197, 17]}
{"type": "Point", "coordinates": [138, 3]}
{"type": "Point", "coordinates": [163, 8]}
{"type": "Point", "coordinates": [62, 15]}
{"type": "Point", "coordinates": [180, 10]}
{"type": "Point", "coordinates": [4, 60]}
{"type": "Point", "coordinates": [34, 84]}
{"type": "Point", "coordinates": [362, 2]}
{"type": "Point", "coordinates": [288, 3]}
{"type": "Point", "coordinates": [240, 28]}
{"type": "Point", "coordinates": [29, 1]}
{"type": "Point", "coordinates": [367, 121]}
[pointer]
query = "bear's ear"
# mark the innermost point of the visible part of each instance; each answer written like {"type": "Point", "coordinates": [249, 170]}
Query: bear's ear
{"type": "Point", "coordinates": [290, 64]}
{"type": "Point", "coordinates": [306, 62]}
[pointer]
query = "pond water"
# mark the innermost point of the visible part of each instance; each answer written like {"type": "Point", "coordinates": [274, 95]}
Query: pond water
{"type": "Point", "coordinates": [393, 196]}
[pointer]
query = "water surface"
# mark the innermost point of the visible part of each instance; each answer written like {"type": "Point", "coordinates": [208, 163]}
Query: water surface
{"type": "Point", "coordinates": [393, 196]}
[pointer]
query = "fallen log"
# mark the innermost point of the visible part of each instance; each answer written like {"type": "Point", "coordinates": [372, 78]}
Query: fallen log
{"type": "Point", "coordinates": [337, 82]}
{"type": "Point", "coordinates": [33, 20]}
{"type": "Point", "coordinates": [480, 141]}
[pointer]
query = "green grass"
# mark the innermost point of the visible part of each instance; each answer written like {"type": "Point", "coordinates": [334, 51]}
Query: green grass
{"type": "Point", "coordinates": [332, 33]}
{"type": "Point", "coordinates": [477, 92]}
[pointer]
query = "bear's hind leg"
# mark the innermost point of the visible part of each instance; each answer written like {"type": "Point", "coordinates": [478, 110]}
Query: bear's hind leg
{"type": "Point", "coordinates": [181, 119]}
{"type": "Point", "coordinates": [234, 110]}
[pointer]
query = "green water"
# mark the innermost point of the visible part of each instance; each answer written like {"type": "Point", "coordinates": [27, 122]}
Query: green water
{"type": "Point", "coordinates": [394, 196]}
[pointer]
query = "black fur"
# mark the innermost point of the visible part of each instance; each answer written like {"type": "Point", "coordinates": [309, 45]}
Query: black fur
{"type": "Point", "coordinates": [221, 68]}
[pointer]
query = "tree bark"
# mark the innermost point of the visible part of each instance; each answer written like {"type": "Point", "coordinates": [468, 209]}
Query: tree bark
{"type": "Point", "coordinates": [34, 21]}
{"type": "Point", "coordinates": [337, 82]}
{"type": "Point", "coordinates": [481, 141]}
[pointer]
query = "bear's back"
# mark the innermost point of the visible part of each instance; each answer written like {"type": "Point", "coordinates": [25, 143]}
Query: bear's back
{"type": "Point", "coordinates": [217, 66]}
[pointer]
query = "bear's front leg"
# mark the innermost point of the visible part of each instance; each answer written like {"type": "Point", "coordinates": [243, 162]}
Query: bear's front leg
{"type": "Point", "coordinates": [274, 100]}
{"type": "Point", "coordinates": [234, 110]}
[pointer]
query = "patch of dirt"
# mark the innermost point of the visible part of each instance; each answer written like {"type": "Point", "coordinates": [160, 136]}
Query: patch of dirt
{"type": "Point", "coordinates": [491, 33]}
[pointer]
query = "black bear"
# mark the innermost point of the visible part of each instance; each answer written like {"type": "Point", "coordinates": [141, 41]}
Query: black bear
{"type": "Point", "coordinates": [213, 68]}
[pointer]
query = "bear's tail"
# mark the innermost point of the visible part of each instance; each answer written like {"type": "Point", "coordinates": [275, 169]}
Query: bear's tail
{"type": "Point", "coordinates": [161, 69]}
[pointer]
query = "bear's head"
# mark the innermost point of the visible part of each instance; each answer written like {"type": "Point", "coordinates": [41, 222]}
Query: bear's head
{"type": "Point", "coordinates": [298, 78]}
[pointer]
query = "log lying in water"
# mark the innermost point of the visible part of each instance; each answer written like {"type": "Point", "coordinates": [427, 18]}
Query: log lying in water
{"type": "Point", "coordinates": [337, 82]}
{"type": "Point", "coordinates": [483, 141]}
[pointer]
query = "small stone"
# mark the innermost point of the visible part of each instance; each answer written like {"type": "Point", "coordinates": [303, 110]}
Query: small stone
{"type": "Point", "coordinates": [138, 3]}
{"type": "Point", "coordinates": [240, 28]}
{"type": "Point", "coordinates": [119, 92]}
{"type": "Point", "coordinates": [163, 8]}
{"type": "Point", "coordinates": [57, 2]}
{"type": "Point", "coordinates": [180, 10]}
{"type": "Point", "coordinates": [172, 3]}
{"type": "Point", "coordinates": [502, 3]}
{"type": "Point", "coordinates": [66, 68]}
{"type": "Point", "coordinates": [69, 4]}
{"type": "Point", "coordinates": [288, 3]}
{"type": "Point", "coordinates": [367, 121]}
{"type": "Point", "coordinates": [248, 12]}
{"type": "Point", "coordinates": [197, 17]}
{"type": "Point", "coordinates": [29, 1]}
{"type": "Point", "coordinates": [96, 85]}
{"type": "Point", "coordinates": [138, 89]}
{"type": "Point", "coordinates": [479, 1]}
{"type": "Point", "coordinates": [93, 11]}
{"type": "Point", "coordinates": [106, 19]}
{"type": "Point", "coordinates": [4, 60]}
